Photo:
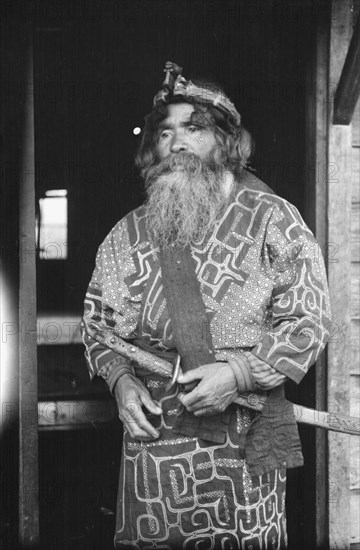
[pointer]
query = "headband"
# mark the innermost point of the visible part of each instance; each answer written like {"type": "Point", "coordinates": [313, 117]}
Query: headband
{"type": "Point", "coordinates": [175, 85]}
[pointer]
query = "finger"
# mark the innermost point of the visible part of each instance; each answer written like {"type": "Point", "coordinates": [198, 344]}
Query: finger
{"type": "Point", "coordinates": [190, 399]}
{"type": "Point", "coordinates": [267, 377]}
{"type": "Point", "coordinates": [278, 383]}
{"type": "Point", "coordinates": [201, 404]}
{"type": "Point", "coordinates": [272, 381]}
{"type": "Point", "coordinates": [259, 367]}
{"type": "Point", "coordinates": [271, 385]}
{"type": "Point", "coordinates": [135, 419]}
{"type": "Point", "coordinates": [205, 411]}
{"type": "Point", "coordinates": [189, 387]}
{"type": "Point", "coordinates": [141, 432]}
{"type": "Point", "coordinates": [148, 428]}
{"type": "Point", "coordinates": [191, 375]}
{"type": "Point", "coordinates": [263, 367]}
{"type": "Point", "coordinates": [197, 408]}
{"type": "Point", "coordinates": [150, 404]}
{"type": "Point", "coordinates": [138, 434]}
{"type": "Point", "coordinates": [277, 377]}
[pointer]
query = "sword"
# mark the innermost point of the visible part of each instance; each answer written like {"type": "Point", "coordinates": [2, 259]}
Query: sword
{"type": "Point", "coordinates": [109, 338]}
{"type": "Point", "coordinates": [320, 419]}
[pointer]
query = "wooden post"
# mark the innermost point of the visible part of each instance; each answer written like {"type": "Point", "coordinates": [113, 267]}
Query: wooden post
{"type": "Point", "coordinates": [28, 417]}
{"type": "Point", "coordinates": [348, 90]}
{"type": "Point", "coordinates": [339, 272]}
{"type": "Point", "coordinates": [9, 315]}
{"type": "Point", "coordinates": [316, 216]}
{"type": "Point", "coordinates": [19, 473]}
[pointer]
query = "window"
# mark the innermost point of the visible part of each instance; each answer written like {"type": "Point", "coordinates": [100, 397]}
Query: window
{"type": "Point", "coordinates": [52, 225]}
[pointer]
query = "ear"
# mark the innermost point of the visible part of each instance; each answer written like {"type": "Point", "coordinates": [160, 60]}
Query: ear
{"type": "Point", "coordinates": [246, 145]}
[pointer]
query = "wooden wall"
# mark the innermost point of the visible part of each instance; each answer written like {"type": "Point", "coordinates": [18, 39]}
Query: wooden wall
{"type": "Point", "coordinates": [343, 216]}
{"type": "Point", "coordinates": [355, 329]}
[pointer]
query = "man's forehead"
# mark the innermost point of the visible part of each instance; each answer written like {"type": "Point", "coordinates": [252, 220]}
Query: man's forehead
{"type": "Point", "coordinates": [178, 112]}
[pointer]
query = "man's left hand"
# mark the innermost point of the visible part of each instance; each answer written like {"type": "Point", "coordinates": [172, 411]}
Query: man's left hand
{"type": "Point", "coordinates": [217, 388]}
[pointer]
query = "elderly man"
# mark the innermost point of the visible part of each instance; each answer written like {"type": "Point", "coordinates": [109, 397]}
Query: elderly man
{"type": "Point", "coordinates": [217, 269]}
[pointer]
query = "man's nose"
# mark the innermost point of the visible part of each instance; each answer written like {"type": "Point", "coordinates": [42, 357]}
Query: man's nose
{"type": "Point", "coordinates": [178, 143]}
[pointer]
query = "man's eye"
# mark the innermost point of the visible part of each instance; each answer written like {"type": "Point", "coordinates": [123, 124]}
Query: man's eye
{"type": "Point", "coordinates": [192, 129]}
{"type": "Point", "coordinates": [164, 134]}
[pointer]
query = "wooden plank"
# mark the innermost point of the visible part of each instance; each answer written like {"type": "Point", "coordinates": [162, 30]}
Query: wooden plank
{"type": "Point", "coordinates": [348, 89]}
{"type": "Point", "coordinates": [55, 330]}
{"type": "Point", "coordinates": [316, 155]}
{"type": "Point", "coordinates": [355, 395]}
{"type": "Point", "coordinates": [355, 463]}
{"type": "Point", "coordinates": [355, 178]}
{"type": "Point", "coordinates": [355, 346]}
{"type": "Point", "coordinates": [355, 290]}
{"type": "Point", "coordinates": [339, 352]}
{"type": "Point", "coordinates": [320, 136]}
{"type": "Point", "coordinates": [339, 232]}
{"type": "Point", "coordinates": [355, 232]}
{"type": "Point", "coordinates": [354, 527]}
{"type": "Point", "coordinates": [28, 418]}
{"type": "Point", "coordinates": [69, 415]}
{"type": "Point", "coordinates": [355, 253]}
{"type": "Point", "coordinates": [356, 126]}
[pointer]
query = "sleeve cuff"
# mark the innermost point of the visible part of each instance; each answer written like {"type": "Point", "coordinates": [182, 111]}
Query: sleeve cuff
{"type": "Point", "coordinates": [241, 370]}
{"type": "Point", "coordinates": [294, 373]}
{"type": "Point", "coordinates": [111, 372]}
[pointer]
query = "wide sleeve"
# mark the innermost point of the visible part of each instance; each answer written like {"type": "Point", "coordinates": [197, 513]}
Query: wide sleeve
{"type": "Point", "coordinates": [300, 308]}
{"type": "Point", "coordinates": [109, 303]}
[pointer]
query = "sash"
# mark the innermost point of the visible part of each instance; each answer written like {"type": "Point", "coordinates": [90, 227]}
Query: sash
{"type": "Point", "coordinates": [192, 336]}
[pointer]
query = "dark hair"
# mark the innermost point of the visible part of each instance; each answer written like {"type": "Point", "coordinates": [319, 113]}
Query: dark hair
{"type": "Point", "coordinates": [235, 142]}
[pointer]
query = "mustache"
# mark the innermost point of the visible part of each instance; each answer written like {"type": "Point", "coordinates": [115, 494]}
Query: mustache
{"type": "Point", "coordinates": [183, 160]}
{"type": "Point", "coordinates": [174, 160]}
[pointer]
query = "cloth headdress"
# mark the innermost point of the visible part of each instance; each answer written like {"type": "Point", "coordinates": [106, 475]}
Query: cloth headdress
{"type": "Point", "coordinates": [175, 85]}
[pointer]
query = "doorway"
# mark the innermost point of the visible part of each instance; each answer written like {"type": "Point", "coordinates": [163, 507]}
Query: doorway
{"type": "Point", "coordinates": [97, 67]}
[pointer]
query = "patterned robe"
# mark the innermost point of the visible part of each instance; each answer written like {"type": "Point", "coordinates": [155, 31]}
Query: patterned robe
{"type": "Point", "coordinates": [264, 286]}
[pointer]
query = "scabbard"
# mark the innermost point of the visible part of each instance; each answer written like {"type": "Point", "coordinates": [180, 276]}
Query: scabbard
{"type": "Point", "coordinates": [109, 338]}
{"type": "Point", "coordinates": [335, 422]}
{"type": "Point", "coordinates": [304, 415]}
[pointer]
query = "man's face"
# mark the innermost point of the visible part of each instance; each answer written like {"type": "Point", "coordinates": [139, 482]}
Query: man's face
{"type": "Point", "coordinates": [178, 134]}
{"type": "Point", "coordinates": [186, 188]}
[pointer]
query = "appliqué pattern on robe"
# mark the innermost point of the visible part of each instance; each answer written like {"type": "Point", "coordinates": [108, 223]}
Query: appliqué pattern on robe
{"type": "Point", "coordinates": [262, 280]}
{"type": "Point", "coordinates": [181, 492]}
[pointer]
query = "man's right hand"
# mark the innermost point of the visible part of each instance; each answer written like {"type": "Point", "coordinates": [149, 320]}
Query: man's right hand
{"type": "Point", "coordinates": [131, 395]}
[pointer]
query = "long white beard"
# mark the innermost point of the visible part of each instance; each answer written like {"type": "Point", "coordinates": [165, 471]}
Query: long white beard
{"type": "Point", "coordinates": [186, 196]}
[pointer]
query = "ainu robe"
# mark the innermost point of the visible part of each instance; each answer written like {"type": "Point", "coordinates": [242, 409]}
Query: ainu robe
{"type": "Point", "coordinates": [264, 286]}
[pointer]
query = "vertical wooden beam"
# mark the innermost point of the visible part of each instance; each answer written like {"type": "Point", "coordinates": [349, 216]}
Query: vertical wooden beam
{"type": "Point", "coordinates": [9, 293]}
{"type": "Point", "coordinates": [18, 389]}
{"type": "Point", "coordinates": [348, 90]}
{"type": "Point", "coordinates": [28, 417]}
{"type": "Point", "coordinates": [316, 161]}
{"type": "Point", "coordinates": [339, 264]}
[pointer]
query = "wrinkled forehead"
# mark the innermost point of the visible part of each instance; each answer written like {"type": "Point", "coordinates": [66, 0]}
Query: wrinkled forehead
{"type": "Point", "coordinates": [177, 113]}
{"type": "Point", "coordinates": [185, 113]}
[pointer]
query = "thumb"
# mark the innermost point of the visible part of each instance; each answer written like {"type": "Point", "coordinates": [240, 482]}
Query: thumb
{"type": "Point", "coordinates": [191, 375]}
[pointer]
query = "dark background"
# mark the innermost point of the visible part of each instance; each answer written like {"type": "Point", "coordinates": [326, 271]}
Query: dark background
{"type": "Point", "coordinates": [97, 66]}
{"type": "Point", "coordinates": [97, 70]}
